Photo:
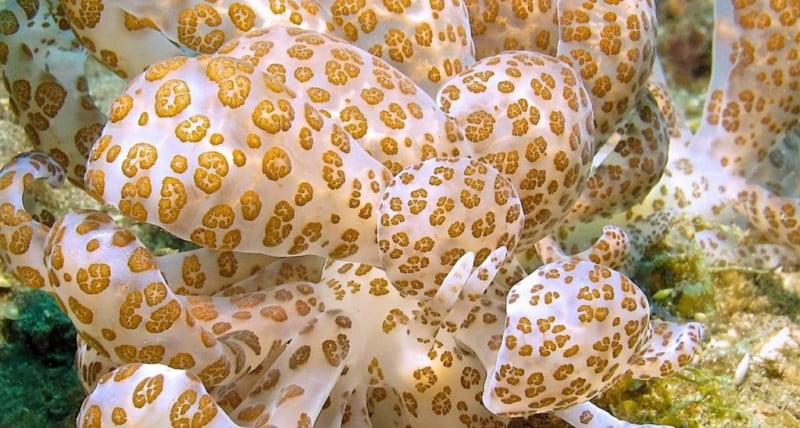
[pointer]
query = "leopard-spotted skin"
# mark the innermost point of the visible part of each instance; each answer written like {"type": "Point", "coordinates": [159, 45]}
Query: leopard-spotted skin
{"type": "Point", "coordinates": [220, 338]}
{"type": "Point", "coordinates": [752, 99]}
{"type": "Point", "coordinates": [322, 361]}
{"type": "Point", "coordinates": [428, 354]}
{"type": "Point", "coordinates": [429, 41]}
{"type": "Point", "coordinates": [527, 115]}
{"type": "Point", "coordinates": [187, 332]}
{"type": "Point", "coordinates": [22, 237]}
{"type": "Point", "coordinates": [383, 110]}
{"type": "Point", "coordinates": [93, 20]}
{"type": "Point", "coordinates": [112, 288]}
{"type": "Point", "coordinates": [48, 92]}
{"type": "Point", "coordinates": [163, 27]}
{"type": "Point", "coordinates": [746, 115]}
{"type": "Point", "coordinates": [612, 249]}
{"type": "Point", "coordinates": [510, 25]}
{"type": "Point", "coordinates": [434, 212]}
{"type": "Point", "coordinates": [628, 173]}
{"type": "Point", "coordinates": [153, 392]}
{"type": "Point", "coordinates": [584, 325]}
{"type": "Point", "coordinates": [211, 166]}
{"type": "Point", "coordinates": [613, 56]}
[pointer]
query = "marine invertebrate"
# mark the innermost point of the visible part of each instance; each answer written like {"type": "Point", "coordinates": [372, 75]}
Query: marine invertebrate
{"type": "Point", "coordinates": [380, 108]}
{"type": "Point", "coordinates": [722, 171]}
{"type": "Point", "coordinates": [209, 195]}
{"type": "Point", "coordinates": [363, 242]}
{"type": "Point", "coordinates": [529, 116]}
{"type": "Point", "coordinates": [299, 352]}
{"type": "Point", "coordinates": [43, 72]}
{"type": "Point", "coordinates": [498, 26]}
{"type": "Point", "coordinates": [428, 220]}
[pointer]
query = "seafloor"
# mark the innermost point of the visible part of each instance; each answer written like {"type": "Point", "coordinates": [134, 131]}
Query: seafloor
{"type": "Point", "coordinates": [748, 374]}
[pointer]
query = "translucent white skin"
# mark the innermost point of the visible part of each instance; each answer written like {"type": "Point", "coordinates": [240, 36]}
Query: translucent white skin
{"type": "Point", "coordinates": [708, 172]}
{"type": "Point", "coordinates": [215, 166]}
{"type": "Point", "coordinates": [572, 329]}
{"type": "Point", "coordinates": [435, 211]}
{"type": "Point", "coordinates": [43, 72]}
{"type": "Point", "coordinates": [527, 115]}
{"type": "Point", "coordinates": [382, 109]}
{"type": "Point", "coordinates": [428, 41]}
{"type": "Point", "coordinates": [98, 269]}
{"type": "Point", "coordinates": [111, 34]}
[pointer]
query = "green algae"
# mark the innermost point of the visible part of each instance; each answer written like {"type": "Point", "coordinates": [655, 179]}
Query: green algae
{"type": "Point", "coordinates": [695, 397]}
{"type": "Point", "coordinates": [741, 310]}
{"type": "Point", "coordinates": [38, 383]}
{"type": "Point", "coordinates": [679, 282]}
{"type": "Point", "coordinates": [680, 285]}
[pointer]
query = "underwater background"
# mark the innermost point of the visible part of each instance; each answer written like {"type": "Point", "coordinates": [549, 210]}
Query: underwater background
{"type": "Point", "coordinates": [748, 374]}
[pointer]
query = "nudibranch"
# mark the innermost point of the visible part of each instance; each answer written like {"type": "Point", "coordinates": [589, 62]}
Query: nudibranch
{"type": "Point", "coordinates": [529, 116]}
{"type": "Point", "coordinates": [213, 166]}
{"type": "Point", "coordinates": [381, 109]}
{"type": "Point", "coordinates": [381, 212]}
{"type": "Point", "coordinates": [753, 102]}
{"type": "Point", "coordinates": [256, 351]}
{"type": "Point", "coordinates": [510, 25]}
{"type": "Point", "coordinates": [43, 74]}
{"type": "Point", "coordinates": [434, 212]}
